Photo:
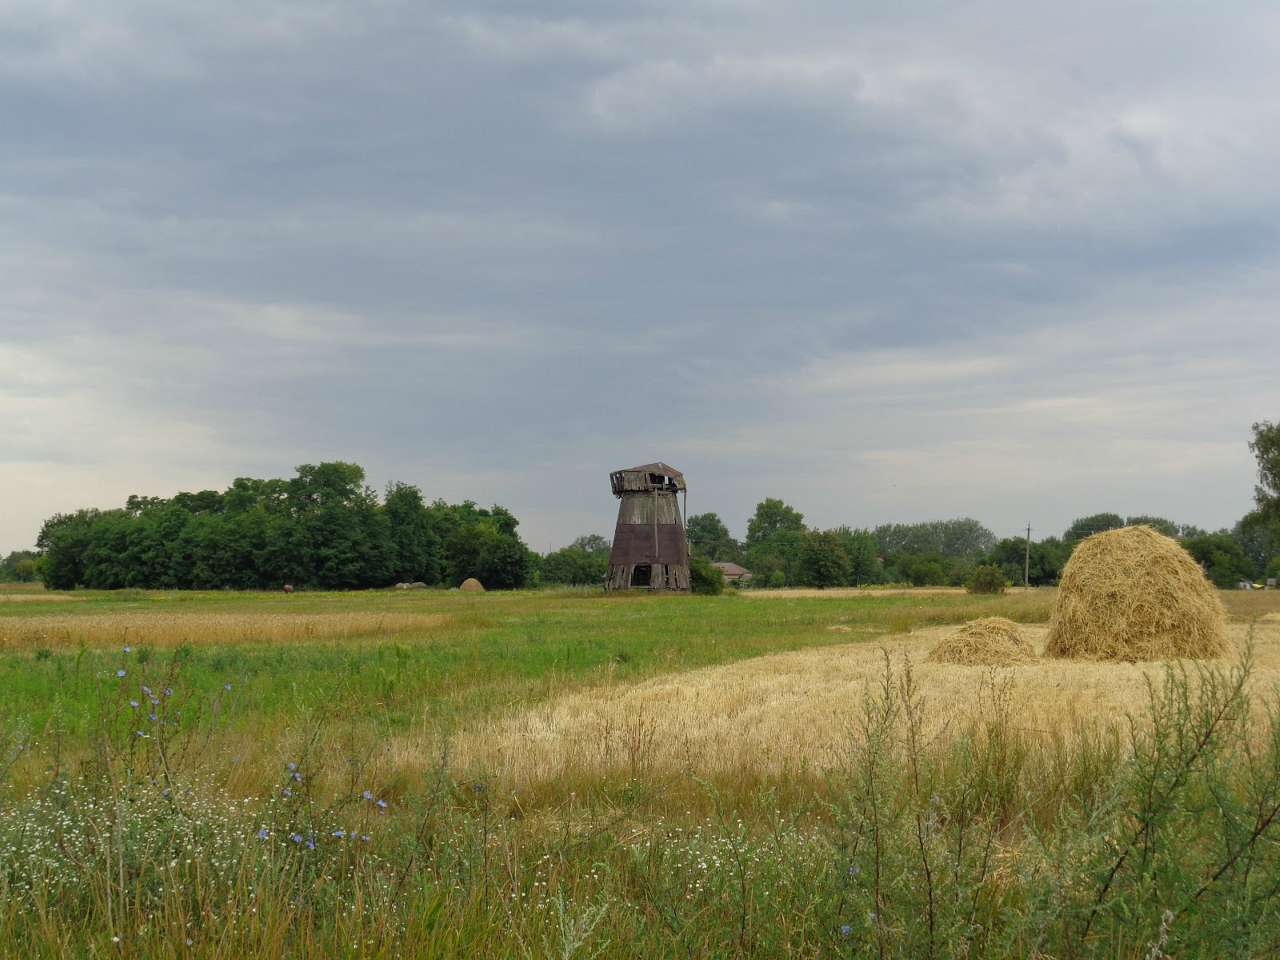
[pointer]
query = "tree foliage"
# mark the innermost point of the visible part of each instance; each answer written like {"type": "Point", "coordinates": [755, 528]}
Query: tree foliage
{"type": "Point", "coordinates": [321, 528]}
{"type": "Point", "coordinates": [963, 538]}
{"type": "Point", "coordinates": [710, 538]}
{"type": "Point", "coordinates": [1087, 526]}
{"type": "Point", "coordinates": [1265, 445]}
{"type": "Point", "coordinates": [1222, 557]}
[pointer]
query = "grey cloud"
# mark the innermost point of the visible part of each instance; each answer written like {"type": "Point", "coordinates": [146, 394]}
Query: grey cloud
{"type": "Point", "coordinates": [926, 260]}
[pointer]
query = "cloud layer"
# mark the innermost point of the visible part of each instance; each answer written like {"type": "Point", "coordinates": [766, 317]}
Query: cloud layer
{"type": "Point", "coordinates": [1006, 260]}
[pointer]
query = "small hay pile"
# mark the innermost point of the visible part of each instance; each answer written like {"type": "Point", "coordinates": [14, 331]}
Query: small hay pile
{"type": "Point", "coordinates": [471, 585]}
{"type": "Point", "coordinates": [1134, 594]}
{"type": "Point", "coordinates": [988, 642]}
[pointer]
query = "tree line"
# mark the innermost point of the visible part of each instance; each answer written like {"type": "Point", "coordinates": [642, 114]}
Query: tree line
{"type": "Point", "coordinates": [326, 528]}
{"type": "Point", "coordinates": [322, 528]}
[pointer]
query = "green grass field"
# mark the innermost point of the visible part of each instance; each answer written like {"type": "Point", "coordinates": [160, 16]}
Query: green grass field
{"type": "Point", "coordinates": [268, 775]}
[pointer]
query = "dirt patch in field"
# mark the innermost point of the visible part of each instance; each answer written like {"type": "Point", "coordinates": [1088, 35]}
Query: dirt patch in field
{"type": "Point", "coordinates": [795, 712]}
{"type": "Point", "coordinates": [37, 597]}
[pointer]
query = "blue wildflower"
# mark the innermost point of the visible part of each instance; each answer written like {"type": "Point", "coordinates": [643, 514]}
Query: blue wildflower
{"type": "Point", "coordinates": [291, 766]}
{"type": "Point", "coordinates": [227, 687]}
{"type": "Point", "coordinates": [367, 794]}
{"type": "Point", "coordinates": [128, 649]}
{"type": "Point", "coordinates": [311, 843]}
{"type": "Point", "coordinates": [168, 691]}
{"type": "Point", "coordinates": [141, 734]}
{"type": "Point", "coordinates": [134, 704]}
{"type": "Point", "coordinates": [365, 837]}
{"type": "Point", "coordinates": [152, 717]}
{"type": "Point", "coordinates": [340, 834]}
{"type": "Point", "coordinates": [119, 673]}
{"type": "Point", "coordinates": [146, 690]}
{"type": "Point", "coordinates": [263, 833]}
{"type": "Point", "coordinates": [854, 870]}
{"type": "Point", "coordinates": [846, 930]}
{"type": "Point", "coordinates": [295, 837]}
{"type": "Point", "coordinates": [287, 792]}
{"type": "Point", "coordinates": [382, 804]}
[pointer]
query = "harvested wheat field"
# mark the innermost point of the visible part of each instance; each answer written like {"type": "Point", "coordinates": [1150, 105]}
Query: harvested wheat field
{"type": "Point", "coordinates": [204, 629]}
{"type": "Point", "coordinates": [1134, 594]}
{"type": "Point", "coordinates": [791, 712]}
{"type": "Point", "coordinates": [985, 642]}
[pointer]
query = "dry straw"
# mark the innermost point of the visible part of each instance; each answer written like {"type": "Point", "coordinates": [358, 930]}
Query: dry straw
{"type": "Point", "coordinates": [987, 642]}
{"type": "Point", "coordinates": [1134, 594]}
{"type": "Point", "coordinates": [472, 585]}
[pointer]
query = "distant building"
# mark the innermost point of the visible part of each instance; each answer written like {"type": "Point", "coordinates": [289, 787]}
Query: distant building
{"type": "Point", "coordinates": [733, 573]}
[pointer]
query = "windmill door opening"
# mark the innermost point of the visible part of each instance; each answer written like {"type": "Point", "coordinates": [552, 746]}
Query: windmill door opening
{"type": "Point", "coordinates": [640, 576]}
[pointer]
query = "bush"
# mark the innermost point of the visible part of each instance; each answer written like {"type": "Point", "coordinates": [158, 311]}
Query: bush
{"type": "Point", "coordinates": [986, 578]}
{"type": "Point", "coordinates": [704, 577]}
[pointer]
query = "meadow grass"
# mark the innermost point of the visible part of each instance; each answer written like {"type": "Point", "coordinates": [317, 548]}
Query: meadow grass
{"type": "Point", "coordinates": [252, 803]}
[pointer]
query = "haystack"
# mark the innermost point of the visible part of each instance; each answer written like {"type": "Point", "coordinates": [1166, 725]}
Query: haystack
{"type": "Point", "coordinates": [1134, 594]}
{"type": "Point", "coordinates": [988, 642]}
{"type": "Point", "coordinates": [471, 585]}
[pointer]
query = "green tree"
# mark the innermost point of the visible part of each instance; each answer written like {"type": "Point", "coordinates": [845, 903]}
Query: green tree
{"type": "Point", "coordinates": [1222, 557]}
{"type": "Point", "coordinates": [705, 577]}
{"type": "Point", "coordinates": [19, 567]}
{"type": "Point", "coordinates": [575, 566]}
{"type": "Point", "coordinates": [592, 543]}
{"type": "Point", "coordinates": [1266, 447]}
{"type": "Point", "coordinates": [863, 552]}
{"type": "Point", "coordinates": [1048, 557]}
{"type": "Point", "coordinates": [963, 537]}
{"type": "Point", "coordinates": [772, 519]}
{"type": "Point", "coordinates": [823, 561]}
{"type": "Point", "coordinates": [710, 538]}
{"type": "Point", "coordinates": [1088, 526]}
{"type": "Point", "coordinates": [63, 540]}
{"type": "Point", "coordinates": [774, 537]}
{"type": "Point", "coordinates": [1259, 536]}
{"type": "Point", "coordinates": [417, 551]}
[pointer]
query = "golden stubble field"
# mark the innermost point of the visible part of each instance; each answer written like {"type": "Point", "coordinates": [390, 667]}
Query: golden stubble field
{"type": "Point", "coordinates": [795, 713]}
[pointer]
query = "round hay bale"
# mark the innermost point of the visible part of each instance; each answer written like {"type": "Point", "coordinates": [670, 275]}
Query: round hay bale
{"type": "Point", "coordinates": [1134, 594]}
{"type": "Point", "coordinates": [471, 585]}
{"type": "Point", "coordinates": [987, 642]}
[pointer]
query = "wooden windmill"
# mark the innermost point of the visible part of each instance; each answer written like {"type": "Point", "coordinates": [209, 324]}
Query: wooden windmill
{"type": "Point", "coordinates": [650, 551]}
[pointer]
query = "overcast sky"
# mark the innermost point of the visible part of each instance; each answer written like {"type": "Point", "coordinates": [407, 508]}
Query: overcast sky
{"type": "Point", "coordinates": [1017, 261]}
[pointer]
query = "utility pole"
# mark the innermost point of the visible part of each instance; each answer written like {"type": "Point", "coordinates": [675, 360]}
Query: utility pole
{"type": "Point", "coordinates": [1026, 564]}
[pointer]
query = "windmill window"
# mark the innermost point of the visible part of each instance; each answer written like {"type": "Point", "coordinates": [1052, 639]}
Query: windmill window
{"type": "Point", "coordinates": [641, 575]}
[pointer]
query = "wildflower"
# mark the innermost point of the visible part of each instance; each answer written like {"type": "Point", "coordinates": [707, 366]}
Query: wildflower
{"type": "Point", "coordinates": [846, 930]}
{"type": "Point", "coordinates": [190, 941]}
{"type": "Point", "coordinates": [311, 843]}
{"type": "Point", "coordinates": [134, 704]}
{"type": "Point", "coordinates": [854, 870]}
{"type": "Point", "coordinates": [367, 794]}
{"type": "Point", "coordinates": [146, 690]}
{"type": "Point", "coordinates": [119, 673]}
{"type": "Point", "coordinates": [227, 687]}
{"type": "Point", "coordinates": [295, 837]}
{"type": "Point", "coordinates": [263, 833]}
{"type": "Point", "coordinates": [128, 649]}
{"type": "Point", "coordinates": [286, 792]}
{"type": "Point", "coordinates": [340, 834]}
{"type": "Point", "coordinates": [154, 701]}
{"type": "Point", "coordinates": [152, 717]}
{"type": "Point", "coordinates": [382, 804]}
{"type": "Point", "coordinates": [365, 837]}
{"type": "Point", "coordinates": [291, 766]}
{"type": "Point", "coordinates": [141, 734]}
{"type": "Point", "coordinates": [168, 691]}
{"type": "Point", "coordinates": [297, 778]}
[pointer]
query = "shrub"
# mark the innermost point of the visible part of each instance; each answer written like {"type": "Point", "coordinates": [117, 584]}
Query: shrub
{"type": "Point", "coordinates": [704, 577]}
{"type": "Point", "coordinates": [986, 578]}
